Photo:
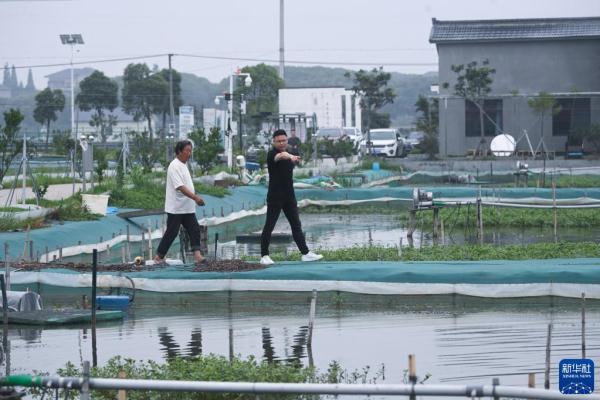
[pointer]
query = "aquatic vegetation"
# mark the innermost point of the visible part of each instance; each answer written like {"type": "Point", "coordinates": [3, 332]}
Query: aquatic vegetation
{"type": "Point", "coordinates": [456, 252]}
{"type": "Point", "coordinates": [216, 368]}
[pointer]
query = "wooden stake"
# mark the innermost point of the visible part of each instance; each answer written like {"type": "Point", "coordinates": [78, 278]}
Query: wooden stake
{"type": "Point", "coordinates": [554, 211]}
{"type": "Point", "coordinates": [436, 223]}
{"type": "Point", "coordinates": [531, 380]}
{"type": "Point", "coordinates": [412, 221]}
{"type": "Point", "coordinates": [122, 394]}
{"type": "Point", "coordinates": [311, 316]}
{"type": "Point", "coordinates": [582, 325]}
{"type": "Point", "coordinates": [547, 369]}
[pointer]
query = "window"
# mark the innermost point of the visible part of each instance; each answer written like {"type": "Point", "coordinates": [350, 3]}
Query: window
{"type": "Point", "coordinates": [492, 118]}
{"type": "Point", "coordinates": [573, 114]}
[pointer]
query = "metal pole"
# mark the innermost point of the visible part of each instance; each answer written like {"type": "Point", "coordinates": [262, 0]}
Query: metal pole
{"type": "Point", "coordinates": [171, 106]}
{"type": "Point", "coordinates": [229, 121]}
{"type": "Point", "coordinates": [24, 162]}
{"type": "Point", "coordinates": [6, 266]}
{"type": "Point", "coordinates": [94, 276]}
{"type": "Point", "coordinates": [470, 391]}
{"type": "Point", "coordinates": [281, 42]}
{"type": "Point", "coordinates": [4, 301]}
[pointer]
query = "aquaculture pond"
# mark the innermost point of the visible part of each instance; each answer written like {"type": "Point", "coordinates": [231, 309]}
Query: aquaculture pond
{"type": "Point", "coordinates": [343, 230]}
{"type": "Point", "coordinates": [456, 339]}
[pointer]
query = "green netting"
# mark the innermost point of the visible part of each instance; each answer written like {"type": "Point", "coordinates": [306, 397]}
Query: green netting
{"type": "Point", "coordinates": [238, 205]}
{"type": "Point", "coordinates": [561, 277]}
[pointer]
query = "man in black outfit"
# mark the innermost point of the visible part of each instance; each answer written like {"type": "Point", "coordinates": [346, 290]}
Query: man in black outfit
{"type": "Point", "coordinates": [281, 196]}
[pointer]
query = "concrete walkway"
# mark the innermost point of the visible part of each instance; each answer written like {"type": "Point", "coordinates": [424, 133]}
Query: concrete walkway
{"type": "Point", "coordinates": [55, 192]}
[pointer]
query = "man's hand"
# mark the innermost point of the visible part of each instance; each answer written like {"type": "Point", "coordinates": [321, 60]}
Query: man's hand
{"type": "Point", "coordinates": [285, 155]}
{"type": "Point", "coordinates": [199, 200]}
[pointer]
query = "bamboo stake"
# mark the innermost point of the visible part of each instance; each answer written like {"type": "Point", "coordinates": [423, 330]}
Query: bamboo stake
{"type": "Point", "coordinates": [531, 380]}
{"type": "Point", "coordinates": [547, 369]}
{"type": "Point", "coordinates": [582, 325]}
{"type": "Point", "coordinates": [122, 394]}
{"type": "Point", "coordinates": [554, 211]}
{"type": "Point", "coordinates": [311, 316]}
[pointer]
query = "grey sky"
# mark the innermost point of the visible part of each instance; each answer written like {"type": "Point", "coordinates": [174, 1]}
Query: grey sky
{"type": "Point", "coordinates": [371, 31]}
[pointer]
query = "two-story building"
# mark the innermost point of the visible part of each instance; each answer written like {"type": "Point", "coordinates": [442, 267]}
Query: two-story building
{"type": "Point", "coordinates": [559, 56]}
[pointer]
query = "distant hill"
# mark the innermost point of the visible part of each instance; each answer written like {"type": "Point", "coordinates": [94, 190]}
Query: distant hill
{"type": "Point", "coordinates": [200, 93]}
{"type": "Point", "coordinates": [407, 87]}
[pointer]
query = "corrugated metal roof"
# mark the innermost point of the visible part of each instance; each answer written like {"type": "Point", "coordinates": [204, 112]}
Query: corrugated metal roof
{"type": "Point", "coordinates": [514, 29]}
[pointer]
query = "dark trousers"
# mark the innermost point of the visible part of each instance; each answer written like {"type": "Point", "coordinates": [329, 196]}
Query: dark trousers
{"type": "Point", "coordinates": [290, 210]}
{"type": "Point", "coordinates": [174, 221]}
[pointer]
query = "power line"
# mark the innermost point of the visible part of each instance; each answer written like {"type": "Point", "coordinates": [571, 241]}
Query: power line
{"type": "Point", "coordinates": [341, 63]}
{"type": "Point", "coordinates": [91, 62]}
{"type": "Point", "coordinates": [252, 59]}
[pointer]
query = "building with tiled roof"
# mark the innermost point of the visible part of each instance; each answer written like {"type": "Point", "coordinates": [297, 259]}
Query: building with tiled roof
{"type": "Point", "coordinates": [560, 56]}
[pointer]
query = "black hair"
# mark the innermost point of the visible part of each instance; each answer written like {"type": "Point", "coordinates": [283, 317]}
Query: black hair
{"type": "Point", "coordinates": [279, 132]}
{"type": "Point", "coordinates": [181, 145]}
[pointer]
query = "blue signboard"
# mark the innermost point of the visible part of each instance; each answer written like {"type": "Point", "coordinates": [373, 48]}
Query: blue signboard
{"type": "Point", "coordinates": [576, 376]}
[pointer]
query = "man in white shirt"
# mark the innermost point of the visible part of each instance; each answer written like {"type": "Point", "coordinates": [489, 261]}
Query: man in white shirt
{"type": "Point", "coordinates": [180, 204]}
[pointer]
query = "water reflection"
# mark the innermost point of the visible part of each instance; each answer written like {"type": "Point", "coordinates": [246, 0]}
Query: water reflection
{"type": "Point", "coordinates": [169, 345]}
{"type": "Point", "coordinates": [298, 348]}
{"type": "Point", "coordinates": [172, 349]}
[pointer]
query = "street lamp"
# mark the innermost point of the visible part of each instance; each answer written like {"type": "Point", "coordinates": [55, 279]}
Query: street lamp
{"type": "Point", "coordinates": [71, 40]}
{"type": "Point", "coordinates": [247, 83]}
{"type": "Point", "coordinates": [87, 158]}
{"type": "Point", "coordinates": [169, 142]}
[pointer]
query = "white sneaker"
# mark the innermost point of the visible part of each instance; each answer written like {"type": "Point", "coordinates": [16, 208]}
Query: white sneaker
{"type": "Point", "coordinates": [310, 256]}
{"type": "Point", "coordinates": [266, 260]}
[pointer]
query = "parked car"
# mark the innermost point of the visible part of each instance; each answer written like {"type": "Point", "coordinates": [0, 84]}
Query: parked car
{"type": "Point", "coordinates": [412, 140]}
{"type": "Point", "coordinates": [385, 142]}
{"type": "Point", "coordinates": [355, 135]}
{"type": "Point", "coordinates": [330, 134]}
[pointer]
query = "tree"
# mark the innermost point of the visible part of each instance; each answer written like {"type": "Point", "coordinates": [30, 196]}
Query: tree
{"type": "Point", "coordinates": [165, 107]}
{"type": "Point", "coordinates": [371, 88]}
{"type": "Point", "coordinates": [337, 149]}
{"type": "Point", "coordinates": [592, 135]}
{"type": "Point", "coordinates": [97, 93]}
{"type": "Point", "coordinates": [9, 146]}
{"type": "Point", "coordinates": [143, 93]}
{"type": "Point", "coordinates": [30, 85]}
{"type": "Point", "coordinates": [427, 122]}
{"type": "Point", "coordinates": [14, 80]}
{"type": "Point", "coordinates": [6, 76]}
{"type": "Point", "coordinates": [47, 103]}
{"type": "Point", "coordinates": [473, 84]}
{"type": "Point", "coordinates": [262, 98]}
{"type": "Point", "coordinates": [145, 150]}
{"type": "Point", "coordinates": [541, 104]}
{"type": "Point", "coordinates": [206, 147]}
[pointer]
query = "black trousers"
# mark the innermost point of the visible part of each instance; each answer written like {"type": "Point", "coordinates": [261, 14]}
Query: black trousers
{"type": "Point", "coordinates": [174, 221]}
{"type": "Point", "coordinates": [290, 210]}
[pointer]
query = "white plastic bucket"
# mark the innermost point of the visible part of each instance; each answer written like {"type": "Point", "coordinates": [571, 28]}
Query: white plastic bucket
{"type": "Point", "coordinates": [96, 203]}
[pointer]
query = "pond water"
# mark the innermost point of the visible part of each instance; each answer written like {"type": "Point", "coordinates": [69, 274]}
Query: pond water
{"type": "Point", "coordinates": [455, 339]}
{"type": "Point", "coordinates": [334, 231]}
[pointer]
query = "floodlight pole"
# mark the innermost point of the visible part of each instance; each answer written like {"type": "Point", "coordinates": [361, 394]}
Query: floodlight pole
{"type": "Point", "coordinates": [72, 40]}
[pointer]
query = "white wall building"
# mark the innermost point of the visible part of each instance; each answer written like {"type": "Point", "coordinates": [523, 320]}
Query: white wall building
{"type": "Point", "coordinates": [333, 106]}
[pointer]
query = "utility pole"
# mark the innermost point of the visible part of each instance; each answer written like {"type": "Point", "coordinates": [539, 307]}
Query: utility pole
{"type": "Point", "coordinates": [171, 106]}
{"type": "Point", "coordinates": [281, 46]}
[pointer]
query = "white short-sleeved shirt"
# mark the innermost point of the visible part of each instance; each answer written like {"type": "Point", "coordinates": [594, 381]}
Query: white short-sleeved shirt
{"type": "Point", "coordinates": [175, 201]}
